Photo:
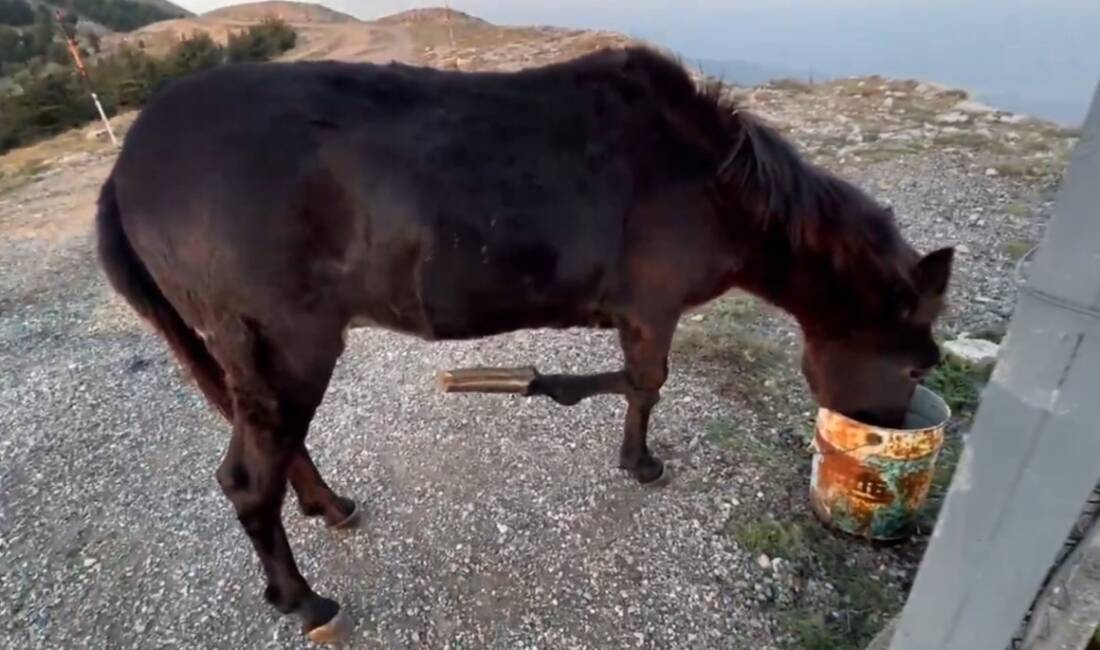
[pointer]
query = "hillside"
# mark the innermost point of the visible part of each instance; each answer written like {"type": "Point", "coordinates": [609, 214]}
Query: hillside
{"type": "Point", "coordinates": [321, 30]}
{"type": "Point", "coordinates": [291, 12]}
{"type": "Point", "coordinates": [119, 15]}
{"type": "Point", "coordinates": [431, 14]}
{"type": "Point", "coordinates": [845, 120]}
{"type": "Point", "coordinates": [167, 7]}
{"type": "Point", "coordinates": [32, 44]}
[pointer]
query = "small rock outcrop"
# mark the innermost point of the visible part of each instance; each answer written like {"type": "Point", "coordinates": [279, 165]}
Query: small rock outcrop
{"type": "Point", "coordinates": [979, 353]}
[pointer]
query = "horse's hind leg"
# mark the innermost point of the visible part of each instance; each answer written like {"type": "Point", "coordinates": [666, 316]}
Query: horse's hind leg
{"type": "Point", "coordinates": [316, 498]}
{"type": "Point", "coordinates": [276, 383]}
{"type": "Point", "coordinates": [645, 349]}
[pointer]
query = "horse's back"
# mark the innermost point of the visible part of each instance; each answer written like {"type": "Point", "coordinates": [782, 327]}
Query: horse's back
{"type": "Point", "coordinates": [234, 190]}
{"type": "Point", "coordinates": [477, 204]}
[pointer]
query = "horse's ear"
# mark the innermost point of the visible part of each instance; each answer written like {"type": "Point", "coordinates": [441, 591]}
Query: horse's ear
{"type": "Point", "coordinates": [930, 278]}
{"type": "Point", "coordinates": [932, 273]}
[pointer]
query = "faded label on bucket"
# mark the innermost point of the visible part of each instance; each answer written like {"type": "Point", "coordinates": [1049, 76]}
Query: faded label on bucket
{"type": "Point", "coordinates": [875, 482]}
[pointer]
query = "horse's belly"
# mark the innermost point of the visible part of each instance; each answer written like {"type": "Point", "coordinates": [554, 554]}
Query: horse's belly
{"type": "Point", "coordinates": [469, 300]}
{"type": "Point", "coordinates": [383, 291]}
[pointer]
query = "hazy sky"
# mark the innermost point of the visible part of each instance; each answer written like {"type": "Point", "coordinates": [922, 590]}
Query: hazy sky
{"type": "Point", "coordinates": [1037, 56]}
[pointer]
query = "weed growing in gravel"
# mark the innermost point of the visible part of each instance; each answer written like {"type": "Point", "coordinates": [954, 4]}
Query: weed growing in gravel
{"type": "Point", "coordinates": [915, 111]}
{"type": "Point", "coordinates": [726, 335]}
{"type": "Point", "coordinates": [959, 384]}
{"type": "Point", "coordinates": [811, 632]}
{"type": "Point", "coordinates": [1019, 209]}
{"type": "Point", "coordinates": [860, 601]}
{"type": "Point", "coordinates": [746, 446]}
{"type": "Point", "coordinates": [771, 538]}
{"type": "Point", "coordinates": [1023, 167]}
{"type": "Point", "coordinates": [721, 432]}
{"type": "Point", "coordinates": [11, 179]}
{"type": "Point", "coordinates": [1060, 132]}
{"type": "Point", "coordinates": [885, 151]}
{"type": "Point", "coordinates": [1017, 248]}
{"type": "Point", "coordinates": [792, 85]}
{"type": "Point", "coordinates": [975, 140]}
{"type": "Point", "coordinates": [738, 347]}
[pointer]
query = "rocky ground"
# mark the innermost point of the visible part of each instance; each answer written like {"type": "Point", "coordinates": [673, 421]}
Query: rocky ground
{"type": "Point", "coordinates": [491, 521]}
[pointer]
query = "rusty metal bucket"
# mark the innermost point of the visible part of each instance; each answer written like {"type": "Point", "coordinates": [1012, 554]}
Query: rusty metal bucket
{"type": "Point", "coordinates": [872, 481]}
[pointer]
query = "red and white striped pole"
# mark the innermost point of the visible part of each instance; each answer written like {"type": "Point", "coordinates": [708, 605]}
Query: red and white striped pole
{"type": "Point", "coordinates": [74, 51]}
{"type": "Point", "coordinates": [450, 32]}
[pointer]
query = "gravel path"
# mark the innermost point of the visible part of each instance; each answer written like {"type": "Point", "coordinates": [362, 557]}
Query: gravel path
{"type": "Point", "coordinates": [490, 521]}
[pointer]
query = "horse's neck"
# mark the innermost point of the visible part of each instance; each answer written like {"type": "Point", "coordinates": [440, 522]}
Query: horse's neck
{"type": "Point", "coordinates": [767, 269]}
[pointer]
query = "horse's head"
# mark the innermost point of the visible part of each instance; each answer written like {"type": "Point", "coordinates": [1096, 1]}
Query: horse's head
{"type": "Point", "coordinates": [832, 256]}
{"type": "Point", "coordinates": [865, 360]}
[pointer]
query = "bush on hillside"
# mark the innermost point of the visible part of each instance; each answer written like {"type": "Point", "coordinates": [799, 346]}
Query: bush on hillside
{"type": "Point", "coordinates": [261, 42]}
{"type": "Point", "coordinates": [47, 106]}
{"type": "Point", "coordinates": [42, 33]}
{"type": "Point", "coordinates": [49, 99]}
{"type": "Point", "coordinates": [194, 54]}
{"type": "Point", "coordinates": [58, 53]}
{"type": "Point", "coordinates": [119, 15]}
{"type": "Point", "coordinates": [15, 46]}
{"type": "Point", "coordinates": [128, 79]}
{"type": "Point", "coordinates": [17, 13]}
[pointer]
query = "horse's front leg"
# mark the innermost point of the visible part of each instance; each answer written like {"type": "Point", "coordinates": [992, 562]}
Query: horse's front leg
{"type": "Point", "coordinates": [645, 348]}
{"type": "Point", "coordinates": [570, 389]}
{"type": "Point", "coordinates": [563, 389]}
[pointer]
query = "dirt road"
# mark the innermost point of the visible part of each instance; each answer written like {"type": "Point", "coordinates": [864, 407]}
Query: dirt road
{"type": "Point", "coordinates": [353, 42]}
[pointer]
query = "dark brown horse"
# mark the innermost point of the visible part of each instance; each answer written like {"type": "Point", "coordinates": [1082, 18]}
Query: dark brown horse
{"type": "Point", "coordinates": [257, 212]}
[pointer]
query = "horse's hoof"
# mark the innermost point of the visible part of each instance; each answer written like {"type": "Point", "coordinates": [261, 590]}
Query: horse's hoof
{"type": "Point", "coordinates": [652, 474]}
{"type": "Point", "coordinates": [352, 520]}
{"type": "Point", "coordinates": [336, 630]}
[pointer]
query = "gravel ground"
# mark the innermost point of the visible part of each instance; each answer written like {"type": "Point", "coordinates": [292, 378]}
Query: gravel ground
{"type": "Point", "coordinates": [944, 200]}
{"type": "Point", "coordinates": [490, 521]}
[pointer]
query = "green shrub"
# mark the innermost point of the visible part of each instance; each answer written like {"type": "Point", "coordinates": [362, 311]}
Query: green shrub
{"type": "Point", "coordinates": [48, 105]}
{"type": "Point", "coordinates": [261, 42]}
{"type": "Point", "coordinates": [194, 54]}
{"type": "Point", "coordinates": [17, 13]}
{"type": "Point", "coordinates": [15, 46]}
{"type": "Point", "coordinates": [45, 102]}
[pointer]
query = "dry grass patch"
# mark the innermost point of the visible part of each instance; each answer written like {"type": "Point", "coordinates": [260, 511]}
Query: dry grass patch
{"type": "Point", "coordinates": [20, 165]}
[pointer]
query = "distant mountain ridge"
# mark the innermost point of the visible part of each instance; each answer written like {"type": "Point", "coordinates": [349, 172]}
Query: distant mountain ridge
{"type": "Point", "coordinates": [108, 15]}
{"type": "Point", "coordinates": [165, 5]}
{"type": "Point", "coordinates": [430, 14]}
{"type": "Point", "coordinates": [291, 12]}
{"type": "Point", "coordinates": [423, 35]}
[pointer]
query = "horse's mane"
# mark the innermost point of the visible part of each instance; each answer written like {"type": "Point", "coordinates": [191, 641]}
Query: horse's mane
{"type": "Point", "coordinates": [819, 213]}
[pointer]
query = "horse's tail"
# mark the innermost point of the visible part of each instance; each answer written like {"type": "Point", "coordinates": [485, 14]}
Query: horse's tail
{"type": "Point", "coordinates": [131, 279]}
